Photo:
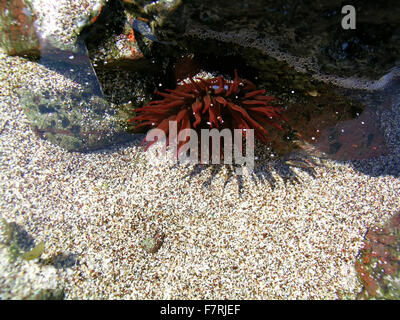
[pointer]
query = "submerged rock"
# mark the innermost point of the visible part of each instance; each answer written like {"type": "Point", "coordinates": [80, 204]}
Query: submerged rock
{"type": "Point", "coordinates": [120, 51]}
{"type": "Point", "coordinates": [378, 265]}
{"type": "Point", "coordinates": [112, 41]}
{"type": "Point", "coordinates": [293, 31]}
{"type": "Point", "coordinates": [46, 294]}
{"type": "Point", "coordinates": [72, 120]}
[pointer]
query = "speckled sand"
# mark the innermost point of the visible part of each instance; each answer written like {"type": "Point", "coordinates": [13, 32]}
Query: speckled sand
{"type": "Point", "coordinates": [298, 240]}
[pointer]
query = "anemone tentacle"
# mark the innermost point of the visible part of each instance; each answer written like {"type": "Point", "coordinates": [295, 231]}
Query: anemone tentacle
{"type": "Point", "coordinates": [212, 103]}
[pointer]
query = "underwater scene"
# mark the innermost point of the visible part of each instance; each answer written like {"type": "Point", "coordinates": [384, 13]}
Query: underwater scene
{"type": "Point", "coordinates": [199, 149]}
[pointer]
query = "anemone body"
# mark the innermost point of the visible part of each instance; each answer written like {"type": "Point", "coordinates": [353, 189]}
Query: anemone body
{"type": "Point", "coordinates": [212, 103]}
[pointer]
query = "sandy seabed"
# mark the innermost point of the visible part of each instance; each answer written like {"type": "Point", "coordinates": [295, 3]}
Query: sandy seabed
{"type": "Point", "coordinates": [265, 238]}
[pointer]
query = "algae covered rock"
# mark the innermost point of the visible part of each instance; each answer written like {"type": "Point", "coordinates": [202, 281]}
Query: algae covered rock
{"type": "Point", "coordinates": [18, 34]}
{"type": "Point", "coordinates": [23, 276]}
{"type": "Point", "coordinates": [72, 120]}
{"type": "Point", "coordinates": [46, 294]}
{"type": "Point", "coordinates": [25, 25]}
{"type": "Point", "coordinates": [68, 107]}
{"type": "Point", "coordinates": [18, 242]}
{"type": "Point", "coordinates": [378, 265]}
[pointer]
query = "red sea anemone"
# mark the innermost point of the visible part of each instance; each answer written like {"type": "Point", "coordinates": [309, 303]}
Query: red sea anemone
{"type": "Point", "coordinates": [212, 103]}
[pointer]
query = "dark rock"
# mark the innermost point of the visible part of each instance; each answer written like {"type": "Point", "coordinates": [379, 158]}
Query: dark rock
{"type": "Point", "coordinates": [111, 40]}
{"type": "Point", "coordinates": [300, 29]}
